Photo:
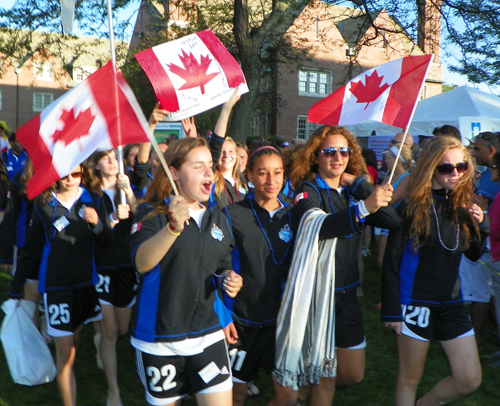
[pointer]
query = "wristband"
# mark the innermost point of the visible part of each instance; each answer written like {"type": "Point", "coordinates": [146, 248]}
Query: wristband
{"type": "Point", "coordinates": [362, 209]}
{"type": "Point", "coordinates": [113, 220]}
{"type": "Point", "coordinates": [172, 230]}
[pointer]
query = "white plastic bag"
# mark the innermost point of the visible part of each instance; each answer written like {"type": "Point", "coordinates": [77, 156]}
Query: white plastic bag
{"type": "Point", "coordinates": [29, 358]}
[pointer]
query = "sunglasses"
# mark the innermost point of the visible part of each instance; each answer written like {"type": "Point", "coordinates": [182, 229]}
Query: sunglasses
{"type": "Point", "coordinates": [486, 136]}
{"type": "Point", "coordinates": [331, 152]}
{"type": "Point", "coordinates": [447, 169]}
{"type": "Point", "coordinates": [74, 175]}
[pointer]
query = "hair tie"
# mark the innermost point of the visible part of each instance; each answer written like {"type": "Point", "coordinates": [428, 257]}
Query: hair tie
{"type": "Point", "coordinates": [261, 148]}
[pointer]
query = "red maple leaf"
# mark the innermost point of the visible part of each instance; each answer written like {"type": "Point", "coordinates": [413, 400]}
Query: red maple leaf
{"type": "Point", "coordinates": [195, 74]}
{"type": "Point", "coordinates": [369, 92]}
{"type": "Point", "coordinates": [74, 127]}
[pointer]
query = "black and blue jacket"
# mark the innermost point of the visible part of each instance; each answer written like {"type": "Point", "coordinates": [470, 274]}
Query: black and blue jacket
{"type": "Point", "coordinates": [427, 277]}
{"type": "Point", "coordinates": [177, 298]}
{"type": "Point", "coordinates": [259, 300]}
{"type": "Point", "coordinates": [65, 258]}
{"type": "Point", "coordinates": [342, 223]}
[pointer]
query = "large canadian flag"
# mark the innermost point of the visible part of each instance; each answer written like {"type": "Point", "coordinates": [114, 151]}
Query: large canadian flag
{"type": "Point", "coordinates": [101, 113]}
{"type": "Point", "coordinates": [192, 74]}
{"type": "Point", "coordinates": [387, 93]}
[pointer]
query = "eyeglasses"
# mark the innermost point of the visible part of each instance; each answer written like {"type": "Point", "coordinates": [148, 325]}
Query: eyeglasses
{"type": "Point", "coordinates": [447, 169]}
{"type": "Point", "coordinates": [331, 152]}
{"type": "Point", "coordinates": [74, 175]}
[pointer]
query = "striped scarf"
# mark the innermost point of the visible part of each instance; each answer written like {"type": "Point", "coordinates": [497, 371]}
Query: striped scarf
{"type": "Point", "coordinates": [305, 335]}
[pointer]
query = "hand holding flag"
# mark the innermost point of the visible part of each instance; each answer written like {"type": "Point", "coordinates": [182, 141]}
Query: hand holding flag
{"type": "Point", "coordinates": [192, 74]}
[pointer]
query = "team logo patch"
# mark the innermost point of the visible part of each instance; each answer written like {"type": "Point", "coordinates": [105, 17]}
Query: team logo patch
{"type": "Point", "coordinates": [217, 233]}
{"type": "Point", "coordinates": [80, 212]}
{"type": "Point", "coordinates": [300, 196]}
{"type": "Point", "coordinates": [285, 233]}
{"type": "Point", "coordinates": [135, 227]}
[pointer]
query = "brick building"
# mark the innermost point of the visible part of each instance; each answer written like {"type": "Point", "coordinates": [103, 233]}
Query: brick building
{"type": "Point", "coordinates": [340, 43]}
{"type": "Point", "coordinates": [30, 85]}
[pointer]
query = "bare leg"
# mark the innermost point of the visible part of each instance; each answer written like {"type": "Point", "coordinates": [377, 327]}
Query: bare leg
{"type": "Point", "coordinates": [239, 393]}
{"type": "Point", "coordinates": [411, 362]}
{"type": "Point", "coordinates": [350, 366]}
{"type": "Point", "coordinates": [465, 375]}
{"type": "Point", "coordinates": [283, 395]}
{"type": "Point", "coordinates": [109, 335]}
{"type": "Point", "coordinates": [65, 359]}
{"type": "Point", "coordinates": [322, 394]}
{"type": "Point", "coordinates": [215, 399]}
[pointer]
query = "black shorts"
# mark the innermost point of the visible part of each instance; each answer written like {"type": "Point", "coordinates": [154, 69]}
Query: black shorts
{"type": "Point", "coordinates": [349, 330]}
{"type": "Point", "coordinates": [117, 287]}
{"type": "Point", "coordinates": [167, 378]}
{"type": "Point", "coordinates": [256, 348]}
{"type": "Point", "coordinates": [66, 310]}
{"type": "Point", "coordinates": [439, 323]}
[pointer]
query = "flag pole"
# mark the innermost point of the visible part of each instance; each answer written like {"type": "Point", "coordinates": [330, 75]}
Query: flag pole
{"type": "Point", "coordinates": [119, 149]}
{"type": "Point", "coordinates": [408, 126]}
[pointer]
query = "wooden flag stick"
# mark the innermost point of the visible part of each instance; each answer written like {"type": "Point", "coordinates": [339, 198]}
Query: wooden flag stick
{"type": "Point", "coordinates": [164, 164]}
{"type": "Point", "coordinates": [397, 156]}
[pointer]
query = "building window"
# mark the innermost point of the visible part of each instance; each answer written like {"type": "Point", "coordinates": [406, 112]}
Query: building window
{"type": "Point", "coordinates": [314, 82]}
{"type": "Point", "coordinates": [305, 129]}
{"type": "Point", "coordinates": [43, 71]}
{"type": "Point", "coordinates": [254, 126]}
{"type": "Point", "coordinates": [82, 73]}
{"type": "Point", "coordinates": [423, 92]}
{"type": "Point", "coordinates": [42, 100]}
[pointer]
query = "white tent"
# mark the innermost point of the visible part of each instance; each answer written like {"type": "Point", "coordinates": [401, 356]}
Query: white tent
{"type": "Point", "coordinates": [464, 107]}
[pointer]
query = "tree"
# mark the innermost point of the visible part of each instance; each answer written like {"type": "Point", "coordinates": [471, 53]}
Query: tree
{"type": "Point", "coordinates": [29, 26]}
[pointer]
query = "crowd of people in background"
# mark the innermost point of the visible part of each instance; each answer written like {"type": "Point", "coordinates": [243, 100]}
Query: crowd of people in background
{"type": "Point", "coordinates": [238, 257]}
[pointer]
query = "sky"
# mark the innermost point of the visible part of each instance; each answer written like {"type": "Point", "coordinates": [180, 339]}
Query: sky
{"type": "Point", "coordinates": [448, 77]}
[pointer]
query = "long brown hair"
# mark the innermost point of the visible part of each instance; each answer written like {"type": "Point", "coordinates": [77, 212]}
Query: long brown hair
{"type": "Point", "coordinates": [419, 191]}
{"type": "Point", "coordinates": [305, 168]}
{"type": "Point", "coordinates": [161, 188]}
{"type": "Point", "coordinates": [95, 183]}
{"type": "Point", "coordinates": [236, 174]}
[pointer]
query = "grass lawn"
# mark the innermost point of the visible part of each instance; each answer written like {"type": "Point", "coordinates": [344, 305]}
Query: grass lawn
{"type": "Point", "coordinates": [375, 390]}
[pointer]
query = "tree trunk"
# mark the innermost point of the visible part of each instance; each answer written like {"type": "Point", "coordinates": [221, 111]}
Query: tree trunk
{"type": "Point", "coordinates": [243, 110]}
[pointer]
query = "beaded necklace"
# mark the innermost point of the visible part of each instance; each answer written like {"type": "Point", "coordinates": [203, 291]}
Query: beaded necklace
{"type": "Point", "coordinates": [439, 231]}
{"type": "Point", "coordinates": [331, 203]}
{"type": "Point", "coordinates": [267, 238]}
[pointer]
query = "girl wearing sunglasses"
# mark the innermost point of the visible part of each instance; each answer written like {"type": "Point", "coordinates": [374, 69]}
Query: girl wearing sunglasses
{"type": "Point", "coordinates": [327, 176]}
{"type": "Point", "coordinates": [421, 294]}
{"type": "Point", "coordinates": [66, 222]}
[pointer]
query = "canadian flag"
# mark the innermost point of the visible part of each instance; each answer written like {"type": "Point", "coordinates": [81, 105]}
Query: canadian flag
{"type": "Point", "coordinates": [192, 74]}
{"type": "Point", "coordinates": [86, 119]}
{"type": "Point", "coordinates": [387, 93]}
